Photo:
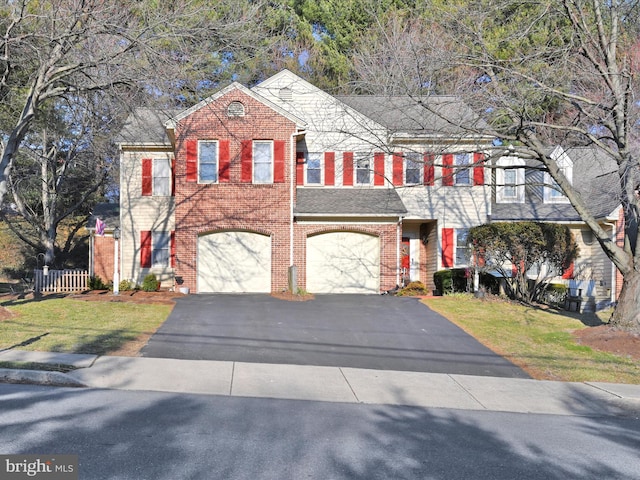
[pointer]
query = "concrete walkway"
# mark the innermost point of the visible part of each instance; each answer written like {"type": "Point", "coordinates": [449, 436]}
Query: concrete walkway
{"type": "Point", "coordinates": [329, 384]}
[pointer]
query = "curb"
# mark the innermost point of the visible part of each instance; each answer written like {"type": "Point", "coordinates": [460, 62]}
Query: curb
{"type": "Point", "coordinates": [53, 379]}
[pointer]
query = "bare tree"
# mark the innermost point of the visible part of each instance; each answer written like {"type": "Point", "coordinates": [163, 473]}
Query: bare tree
{"type": "Point", "coordinates": [545, 73]}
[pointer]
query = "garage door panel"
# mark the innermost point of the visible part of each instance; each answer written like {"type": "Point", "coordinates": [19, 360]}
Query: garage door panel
{"type": "Point", "coordinates": [234, 262]}
{"type": "Point", "coordinates": [343, 262]}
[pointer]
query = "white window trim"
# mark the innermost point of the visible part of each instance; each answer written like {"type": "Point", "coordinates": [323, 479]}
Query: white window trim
{"type": "Point", "coordinates": [154, 264]}
{"type": "Point", "coordinates": [361, 156]}
{"type": "Point", "coordinates": [154, 176]}
{"type": "Point", "coordinates": [457, 264]}
{"type": "Point", "coordinates": [500, 180]}
{"type": "Point", "coordinates": [253, 162]}
{"type": "Point", "coordinates": [468, 168]}
{"type": "Point", "coordinates": [420, 162]}
{"type": "Point", "coordinates": [217, 143]}
{"type": "Point", "coordinates": [306, 164]}
{"type": "Point", "coordinates": [551, 194]}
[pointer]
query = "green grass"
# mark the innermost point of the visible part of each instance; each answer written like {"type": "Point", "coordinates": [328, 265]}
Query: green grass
{"type": "Point", "coordinates": [539, 341]}
{"type": "Point", "coordinates": [76, 326]}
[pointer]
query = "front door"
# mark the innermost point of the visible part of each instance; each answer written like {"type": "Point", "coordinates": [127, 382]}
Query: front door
{"type": "Point", "coordinates": [405, 261]}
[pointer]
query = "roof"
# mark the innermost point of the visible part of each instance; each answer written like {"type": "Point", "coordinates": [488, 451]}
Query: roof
{"type": "Point", "coordinates": [109, 213]}
{"type": "Point", "coordinates": [436, 115]}
{"type": "Point", "coordinates": [145, 126]}
{"type": "Point", "coordinates": [594, 177]}
{"type": "Point", "coordinates": [358, 201]}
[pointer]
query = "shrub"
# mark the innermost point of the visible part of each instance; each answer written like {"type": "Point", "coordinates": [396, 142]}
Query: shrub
{"type": "Point", "coordinates": [96, 283]}
{"type": "Point", "coordinates": [125, 285]}
{"type": "Point", "coordinates": [555, 293]}
{"type": "Point", "coordinates": [453, 280]}
{"type": "Point", "coordinates": [413, 289]}
{"type": "Point", "coordinates": [150, 283]}
{"type": "Point", "coordinates": [490, 282]}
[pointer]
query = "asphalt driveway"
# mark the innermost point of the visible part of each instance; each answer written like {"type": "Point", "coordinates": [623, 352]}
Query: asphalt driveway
{"type": "Point", "coordinates": [360, 331]}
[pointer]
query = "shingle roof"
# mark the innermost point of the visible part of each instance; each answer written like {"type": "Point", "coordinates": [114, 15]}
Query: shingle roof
{"type": "Point", "coordinates": [594, 177]}
{"type": "Point", "coordinates": [349, 201]}
{"type": "Point", "coordinates": [109, 213]}
{"type": "Point", "coordinates": [431, 115]}
{"type": "Point", "coordinates": [146, 126]}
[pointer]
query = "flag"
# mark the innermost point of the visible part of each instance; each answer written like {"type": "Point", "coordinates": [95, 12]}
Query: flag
{"type": "Point", "coordinates": [100, 227]}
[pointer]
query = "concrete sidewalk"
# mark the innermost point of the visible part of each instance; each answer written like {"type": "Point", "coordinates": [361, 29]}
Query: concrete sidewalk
{"type": "Point", "coordinates": [329, 384]}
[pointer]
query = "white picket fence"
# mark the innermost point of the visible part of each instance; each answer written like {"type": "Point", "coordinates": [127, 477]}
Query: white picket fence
{"type": "Point", "coordinates": [60, 281]}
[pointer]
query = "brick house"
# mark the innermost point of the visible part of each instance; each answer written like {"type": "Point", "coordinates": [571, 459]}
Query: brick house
{"type": "Point", "coordinates": [358, 193]}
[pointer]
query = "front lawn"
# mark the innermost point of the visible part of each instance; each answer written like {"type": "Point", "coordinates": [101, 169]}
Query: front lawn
{"type": "Point", "coordinates": [537, 340]}
{"type": "Point", "coordinates": [76, 326]}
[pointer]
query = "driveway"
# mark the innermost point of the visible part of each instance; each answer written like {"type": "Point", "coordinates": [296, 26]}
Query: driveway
{"type": "Point", "coordinates": [361, 331]}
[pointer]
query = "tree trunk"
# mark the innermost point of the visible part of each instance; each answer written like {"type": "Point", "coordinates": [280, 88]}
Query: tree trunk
{"type": "Point", "coordinates": [627, 314]}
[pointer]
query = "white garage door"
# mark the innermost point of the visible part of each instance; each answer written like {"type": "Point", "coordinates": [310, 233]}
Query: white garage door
{"type": "Point", "coordinates": [234, 262]}
{"type": "Point", "coordinates": [343, 262]}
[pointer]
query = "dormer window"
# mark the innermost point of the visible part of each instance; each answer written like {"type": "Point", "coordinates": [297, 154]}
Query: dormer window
{"type": "Point", "coordinates": [510, 180]}
{"type": "Point", "coordinates": [552, 191]}
{"type": "Point", "coordinates": [235, 109]}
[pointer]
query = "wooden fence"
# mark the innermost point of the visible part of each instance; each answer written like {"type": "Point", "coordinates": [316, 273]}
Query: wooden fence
{"type": "Point", "coordinates": [60, 281]}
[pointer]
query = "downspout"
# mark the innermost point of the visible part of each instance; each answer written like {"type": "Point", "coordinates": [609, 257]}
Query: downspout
{"type": "Point", "coordinates": [398, 247]}
{"type": "Point", "coordinates": [292, 171]}
{"type": "Point", "coordinates": [614, 287]}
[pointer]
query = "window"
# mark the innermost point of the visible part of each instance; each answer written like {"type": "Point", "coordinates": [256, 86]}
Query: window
{"type": "Point", "coordinates": [552, 191]}
{"type": "Point", "coordinates": [160, 242]}
{"type": "Point", "coordinates": [462, 247]}
{"type": "Point", "coordinates": [161, 177]}
{"type": "Point", "coordinates": [156, 177]}
{"type": "Point", "coordinates": [262, 162]}
{"type": "Point", "coordinates": [413, 169]}
{"type": "Point", "coordinates": [314, 168]}
{"type": "Point", "coordinates": [208, 161]}
{"type": "Point", "coordinates": [510, 181]}
{"type": "Point", "coordinates": [462, 163]}
{"type": "Point", "coordinates": [363, 169]}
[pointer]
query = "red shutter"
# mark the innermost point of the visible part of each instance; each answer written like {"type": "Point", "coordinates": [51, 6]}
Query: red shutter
{"type": "Point", "coordinates": [447, 169]}
{"type": "Point", "coordinates": [192, 160]}
{"type": "Point", "coordinates": [246, 161]}
{"type": "Point", "coordinates": [173, 177]}
{"type": "Point", "coordinates": [569, 271]}
{"type": "Point", "coordinates": [429, 169]}
{"type": "Point", "coordinates": [299, 168]}
{"type": "Point", "coordinates": [278, 161]}
{"type": "Point", "coordinates": [478, 169]}
{"type": "Point", "coordinates": [145, 249]}
{"type": "Point", "coordinates": [329, 168]}
{"type": "Point", "coordinates": [378, 169]}
{"type": "Point", "coordinates": [224, 162]}
{"type": "Point", "coordinates": [447, 247]}
{"type": "Point", "coordinates": [347, 168]}
{"type": "Point", "coordinates": [147, 176]}
{"type": "Point", "coordinates": [173, 249]}
{"type": "Point", "coordinates": [398, 169]}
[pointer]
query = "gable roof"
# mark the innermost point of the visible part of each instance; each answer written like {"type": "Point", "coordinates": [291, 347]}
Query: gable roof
{"type": "Point", "coordinates": [145, 126]}
{"type": "Point", "coordinates": [431, 116]}
{"type": "Point", "coordinates": [347, 202]}
{"type": "Point", "coordinates": [171, 123]}
{"type": "Point", "coordinates": [594, 178]}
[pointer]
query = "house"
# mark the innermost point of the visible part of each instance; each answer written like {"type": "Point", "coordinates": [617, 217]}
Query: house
{"type": "Point", "coordinates": [523, 192]}
{"type": "Point", "coordinates": [252, 185]}
{"type": "Point", "coordinates": [261, 189]}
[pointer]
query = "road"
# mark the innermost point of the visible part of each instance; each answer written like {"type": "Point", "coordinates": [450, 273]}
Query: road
{"type": "Point", "coordinates": [150, 435]}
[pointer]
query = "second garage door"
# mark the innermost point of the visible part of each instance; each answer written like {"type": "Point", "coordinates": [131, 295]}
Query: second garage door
{"type": "Point", "coordinates": [343, 262]}
{"type": "Point", "coordinates": [234, 262]}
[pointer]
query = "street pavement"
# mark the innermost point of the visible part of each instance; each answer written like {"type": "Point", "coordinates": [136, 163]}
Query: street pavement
{"type": "Point", "coordinates": [329, 384]}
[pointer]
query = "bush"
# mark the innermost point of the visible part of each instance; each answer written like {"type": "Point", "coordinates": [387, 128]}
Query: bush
{"type": "Point", "coordinates": [490, 282]}
{"type": "Point", "coordinates": [125, 285]}
{"type": "Point", "coordinates": [555, 293]}
{"type": "Point", "coordinates": [450, 281]}
{"type": "Point", "coordinates": [96, 283]}
{"type": "Point", "coordinates": [413, 289]}
{"type": "Point", "coordinates": [150, 283]}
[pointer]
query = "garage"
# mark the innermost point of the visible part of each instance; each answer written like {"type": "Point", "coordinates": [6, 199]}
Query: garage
{"type": "Point", "coordinates": [343, 262]}
{"type": "Point", "coordinates": [234, 262]}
